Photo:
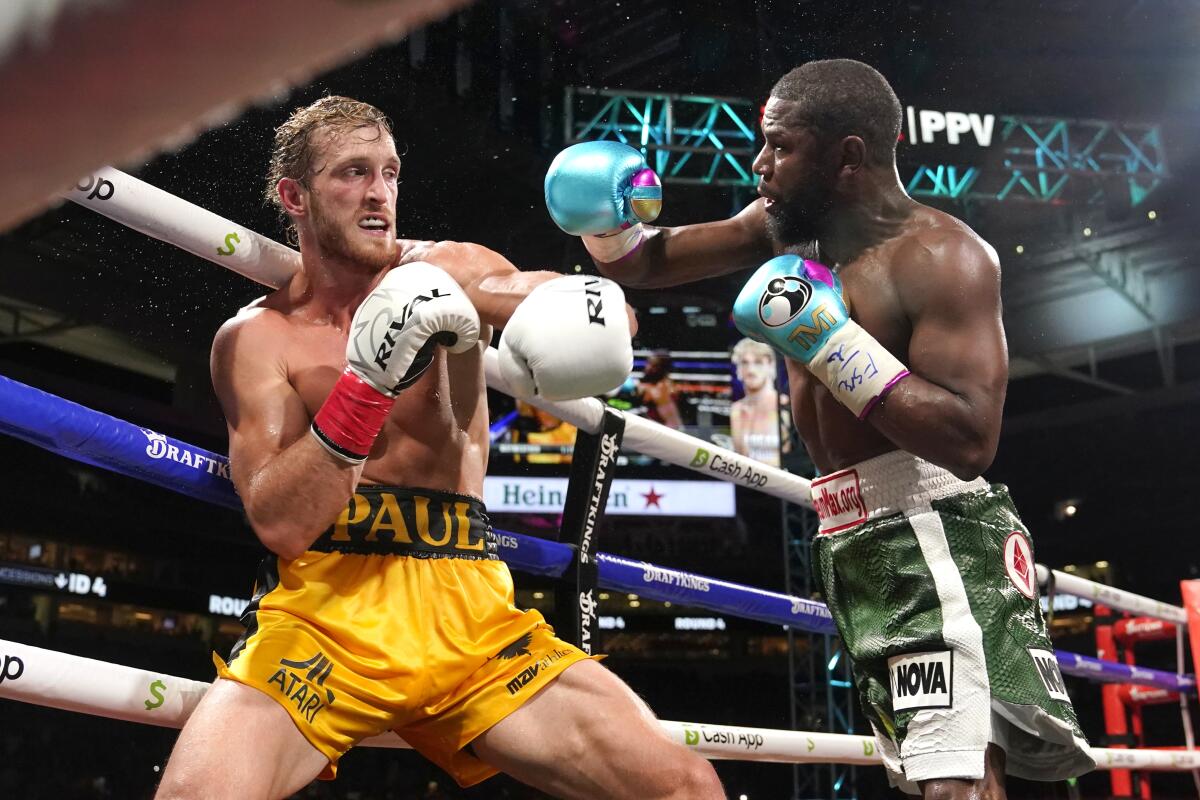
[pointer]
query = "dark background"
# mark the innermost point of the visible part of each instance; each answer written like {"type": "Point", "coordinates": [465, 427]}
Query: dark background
{"type": "Point", "coordinates": [477, 111]}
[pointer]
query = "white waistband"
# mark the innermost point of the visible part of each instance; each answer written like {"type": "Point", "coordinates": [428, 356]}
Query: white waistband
{"type": "Point", "coordinates": [881, 486]}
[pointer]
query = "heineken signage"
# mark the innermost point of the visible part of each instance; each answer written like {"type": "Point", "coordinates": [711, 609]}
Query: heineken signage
{"type": "Point", "coordinates": [525, 495]}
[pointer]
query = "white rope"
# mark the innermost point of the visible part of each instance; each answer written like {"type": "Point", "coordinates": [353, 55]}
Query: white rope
{"type": "Point", "coordinates": [163, 216]}
{"type": "Point", "coordinates": [1065, 583]}
{"type": "Point", "coordinates": [60, 680]}
{"type": "Point", "coordinates": [1185, 707]}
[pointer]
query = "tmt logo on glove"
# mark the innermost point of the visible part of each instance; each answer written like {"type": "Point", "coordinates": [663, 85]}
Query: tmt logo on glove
{"type": "Point", "coordinates": [797, 306]}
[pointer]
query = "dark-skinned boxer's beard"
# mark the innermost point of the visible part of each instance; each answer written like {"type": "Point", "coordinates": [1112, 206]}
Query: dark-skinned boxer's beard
{"type": "Point", "coordinates": [794, 223]}
{"type": "Point", "coordinates": [372, 255]}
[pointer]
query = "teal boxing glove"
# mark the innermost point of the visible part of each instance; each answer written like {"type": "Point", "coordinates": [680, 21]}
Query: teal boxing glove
{"type": "Point", "coordinates": [603, 191]}
{"type": "Point", "coordinates": [796, 306]}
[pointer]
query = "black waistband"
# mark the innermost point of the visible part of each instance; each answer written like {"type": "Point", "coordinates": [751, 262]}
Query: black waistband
{"type": "Point", "coordinates": [391, 520]}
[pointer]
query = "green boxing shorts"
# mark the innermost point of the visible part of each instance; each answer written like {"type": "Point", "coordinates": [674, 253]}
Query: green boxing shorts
{"type": "Point", "coordinates": [931, 582]}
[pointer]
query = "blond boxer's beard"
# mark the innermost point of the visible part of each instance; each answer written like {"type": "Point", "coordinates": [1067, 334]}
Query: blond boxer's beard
{"type": "Point", "coordinates": [333, 242]}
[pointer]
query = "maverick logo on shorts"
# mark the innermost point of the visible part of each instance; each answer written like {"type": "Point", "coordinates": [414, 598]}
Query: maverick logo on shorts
{"type": "Point", "coordinates": [922, 680]}
{"type": "Point", "coordinates": [518, 648]}
{"type": "Point", "coordinates": [526, 676]}
{"type": "Point", "coordinates": [1018, 564]}
{"type": "Point", "coordinates": [303, 690]}
{"type": "Point", "coordinates": [1047, 667]}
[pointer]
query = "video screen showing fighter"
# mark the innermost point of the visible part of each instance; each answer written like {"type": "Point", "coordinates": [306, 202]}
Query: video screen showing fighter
{"type": "Point", "coordinates": [685, 390]}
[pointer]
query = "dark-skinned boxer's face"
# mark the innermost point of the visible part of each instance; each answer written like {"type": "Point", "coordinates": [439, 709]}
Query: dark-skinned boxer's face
{"type": "Point", "coordinates": [352, 197]}
{"type": "Point", "coordinates": [797, 175]}
{"type": "Point", "coordinates": [656, 369]}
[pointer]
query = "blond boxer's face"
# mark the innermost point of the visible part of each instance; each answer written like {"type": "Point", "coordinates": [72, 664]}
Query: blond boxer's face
{"type": "Point", "coordinates": [756, 371]}
{"type": "Point", "coordinates": [352, 196]}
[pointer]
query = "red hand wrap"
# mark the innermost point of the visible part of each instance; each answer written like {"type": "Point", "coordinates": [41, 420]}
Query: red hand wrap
{"type": "Point", "coordinates": [351, 417]}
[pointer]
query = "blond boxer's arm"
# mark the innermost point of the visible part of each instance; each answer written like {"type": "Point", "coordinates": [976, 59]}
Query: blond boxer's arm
{"type": "Point", "coordinates": [290, 486]}
{"type": "Point", "coordinates": [548, 319]}
{"type": "Point", "coordinates": [493, 284]}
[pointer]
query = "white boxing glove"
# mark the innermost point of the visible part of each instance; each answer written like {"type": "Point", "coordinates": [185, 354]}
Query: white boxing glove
{"type": "Point", "coordinates": [415, 307]}
{"type": "Point", "coordinates": [393, 336]}
{"type": "Point", "coordinates": [568, 339]}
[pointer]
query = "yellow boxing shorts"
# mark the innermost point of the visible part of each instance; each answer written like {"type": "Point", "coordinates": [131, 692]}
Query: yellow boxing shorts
{"type": "Point", "coordinates": [399, 617]}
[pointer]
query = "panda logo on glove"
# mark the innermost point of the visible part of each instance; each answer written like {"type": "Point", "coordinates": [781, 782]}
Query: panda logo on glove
{"type": "Point", "coordinates": [782, 300]}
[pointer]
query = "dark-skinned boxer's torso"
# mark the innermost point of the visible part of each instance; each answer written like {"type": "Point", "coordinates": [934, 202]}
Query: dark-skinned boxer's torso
{"type": "Point", "coordinates": [436, 436]}
{"type": "Point", "coordinates": [835, 439]}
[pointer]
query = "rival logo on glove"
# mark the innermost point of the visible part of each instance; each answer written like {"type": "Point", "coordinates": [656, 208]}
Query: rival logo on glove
{"type": "Point", "coordinates": [384, 353]}
{"type": "Point", "coordinates": [595, 304]}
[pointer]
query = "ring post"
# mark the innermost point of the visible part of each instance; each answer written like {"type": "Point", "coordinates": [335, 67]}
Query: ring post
{"type": "Point", "coordinates": [592, 467]}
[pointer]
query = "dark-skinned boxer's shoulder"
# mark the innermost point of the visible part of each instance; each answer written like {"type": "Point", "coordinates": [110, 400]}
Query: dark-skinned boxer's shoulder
{"type": "Point", "coordinates": [943, 263]}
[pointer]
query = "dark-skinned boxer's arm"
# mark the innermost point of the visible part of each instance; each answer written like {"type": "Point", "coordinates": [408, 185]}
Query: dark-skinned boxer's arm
{"type": "Point", "coordinates": [606, 193]}
{"type": "Point", "coordinates": [949, 409]}
{"type": "Point", "coordinates": [673, 256]}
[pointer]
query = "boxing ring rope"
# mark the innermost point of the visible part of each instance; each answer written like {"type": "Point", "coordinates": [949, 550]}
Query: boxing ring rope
{"type": "Point", "coordinates": [1065, 583]}
{"type": "Point", "coordinates": [163, 216]}
{"type": "Point", "coordinates": [70, 682]}
{"type": "Point", "coordinates": [1127, 698]}
{"type": "Point", "coordinates": [73, 683]}
{"type": "Point", "coordinates": [73, 431]}
{"type": "Point", "coordinates": [76, 432]}
{"type": "Point", "coordinates": [59, 680]}
{"type": "Point", "coordinates": [124, 693]}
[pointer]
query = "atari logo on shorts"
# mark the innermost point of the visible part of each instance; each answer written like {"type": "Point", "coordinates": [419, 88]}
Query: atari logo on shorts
{"type": "Point", "coordinates": [1051, 675]}
{"type": "Point", "coordinates": [302, 682]}
{"type": "Point", "coordinates": [922, 680]}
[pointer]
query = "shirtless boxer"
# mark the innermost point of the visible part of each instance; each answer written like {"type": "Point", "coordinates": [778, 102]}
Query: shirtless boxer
{"type": "Point", "coordinates": [358, 443]}
{"type": "Point", "coordinates": [898, 366]}
{"type": "Point", "coordinates": [754, 420]}
{"type": "Point", "coordinates": [658, 392]}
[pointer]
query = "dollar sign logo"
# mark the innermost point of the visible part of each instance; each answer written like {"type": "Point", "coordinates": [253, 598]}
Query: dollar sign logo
{"type": "Point", "coordinates": [230, 238]}
{"type": "Point", "coordinates": [156, 691]}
